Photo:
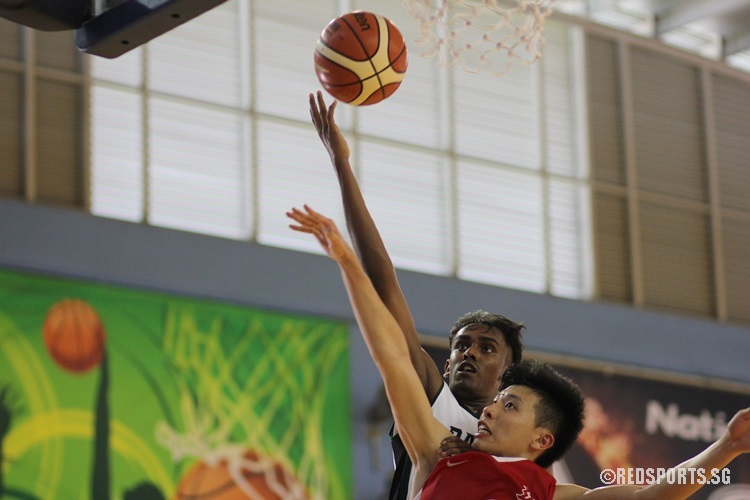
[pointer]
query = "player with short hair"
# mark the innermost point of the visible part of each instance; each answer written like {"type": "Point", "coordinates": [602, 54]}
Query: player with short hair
{"type": "Point", "coordinates": [534, 419]}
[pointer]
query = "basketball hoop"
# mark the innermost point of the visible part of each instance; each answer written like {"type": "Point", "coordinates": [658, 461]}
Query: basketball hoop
{"type": "Point", "coordinates": [481, 34]}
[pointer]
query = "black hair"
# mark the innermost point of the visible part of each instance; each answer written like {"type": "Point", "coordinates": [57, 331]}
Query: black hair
{"type": "Point", "coordinates": [560, 408]}
{"type": "Point", "coordinates": [511, 330]}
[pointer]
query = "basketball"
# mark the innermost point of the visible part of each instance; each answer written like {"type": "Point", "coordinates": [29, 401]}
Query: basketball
{"type": "Point", "coordinates": [252, 476]}
{"type": "Point", "coordinates": [74, 335]}
{"type": "Point", "coordinates": [360, 58]}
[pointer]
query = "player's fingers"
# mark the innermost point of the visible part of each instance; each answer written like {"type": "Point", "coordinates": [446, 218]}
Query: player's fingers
{"type": "Point", "coordinates": [310, 210]}
{"type": "Point", "coordinates": [331, 120]}
{"type": "Point", "coordinates": [310, 228]}
{"type": "Point", "coordinates": [317, 216]}
{"type": "Point", "coordinates": [322, 104]}
{"type": "Point", "coordinates": [294, 213]}
{"type": "Point", "coordinates": [317, 231]}
{"type": "Point", "coordinates": [322, 124]}
{"type": "Point", "coordinates": [301, 229]}
{"type": "Point", "coordinates": [313, 105]}
{"type": "Point", "coordinates": [325, 225]}
{"type": "Point", "coordinates": [297, 211]}
{"type": "Point", "coordinates": [317, 226]}
{"type": "Point", "coordinates": [316, 121]}
{"type": "Point", "coordinates": [314, 113]}
{"type": "Point", "coordinates": [448, 451]}
{"type": "Point", "coordinates": [299, 217]}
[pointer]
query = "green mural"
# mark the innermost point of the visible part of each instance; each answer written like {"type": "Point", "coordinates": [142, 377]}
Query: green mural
{"type": "Point", "coordinates": [111, 393]}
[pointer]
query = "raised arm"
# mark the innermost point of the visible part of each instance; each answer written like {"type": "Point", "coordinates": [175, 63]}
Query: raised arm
{"type": "Point", "coordinates": [367, 242]}
{"type": "Point", "coordinates": [733, 443]}
{"type": "Point", "coordinates": [420, 432]}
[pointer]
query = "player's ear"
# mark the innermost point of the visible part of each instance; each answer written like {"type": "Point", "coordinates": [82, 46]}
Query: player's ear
{"type": "Point", "coordinates": [447, 370]}
{"type": "Point", "coordinates": [544, 440]}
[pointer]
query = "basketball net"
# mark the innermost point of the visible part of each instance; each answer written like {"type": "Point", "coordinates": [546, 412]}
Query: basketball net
{"type": "Point", "coordinates": [228, 407]}
{"type": "Point", "coordinates": [481, 34]}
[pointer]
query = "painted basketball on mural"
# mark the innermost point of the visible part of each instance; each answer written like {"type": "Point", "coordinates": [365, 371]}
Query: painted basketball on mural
{"type": "Point", "coordinates": [74, 335]}
{"type": "Point", "coordinates": [250, 475]}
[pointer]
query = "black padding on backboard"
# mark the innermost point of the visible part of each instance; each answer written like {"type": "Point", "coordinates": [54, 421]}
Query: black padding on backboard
{"type": "Point", "coordinates": [135, 22]}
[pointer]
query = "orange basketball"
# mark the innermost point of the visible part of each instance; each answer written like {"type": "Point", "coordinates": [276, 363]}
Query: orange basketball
{"type": "Point", "coordinates": [360, 58]}
{"type": "Point", "coordinates": [265, 479]}
{"type": "Point", "coordinates": [74, 335]}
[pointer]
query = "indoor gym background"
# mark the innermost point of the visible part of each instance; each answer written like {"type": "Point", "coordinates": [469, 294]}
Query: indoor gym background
{"type": "Point", "coordinates": [622, 163]}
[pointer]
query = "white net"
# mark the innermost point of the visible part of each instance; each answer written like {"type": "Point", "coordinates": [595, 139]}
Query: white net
{"type": "Point", "coordinates": [252, 401]}
{"type": "Point", "coordinates": [481, 35]}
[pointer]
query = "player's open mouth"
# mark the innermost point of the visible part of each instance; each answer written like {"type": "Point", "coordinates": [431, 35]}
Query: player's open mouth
{"type": "Point", "coordinates": [482, 429]}
{"type": "Point", "coordinates": [466, 367]}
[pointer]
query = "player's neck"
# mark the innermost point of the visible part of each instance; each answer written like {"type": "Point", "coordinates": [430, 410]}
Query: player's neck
{"type": "Point", "coordinates": [473, 403]}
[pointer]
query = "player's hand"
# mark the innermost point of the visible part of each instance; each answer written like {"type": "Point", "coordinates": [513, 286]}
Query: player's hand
{"type": "Point", "coordinates": [324, 230]}
{"type": "Point", "coordinates": [453, 445]}
{"type": "Point", "coordinates": [325, 124]}
{"type": "Point", "coordinates": [738, 431]}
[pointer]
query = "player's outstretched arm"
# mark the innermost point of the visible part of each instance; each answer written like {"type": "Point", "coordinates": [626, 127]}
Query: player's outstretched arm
{"type": "Point", "coordinates": [420, 432]}
{"type": "Point", "coordinates": [696, 471]}
{"type": "Point", "coordinates": [367, 241]}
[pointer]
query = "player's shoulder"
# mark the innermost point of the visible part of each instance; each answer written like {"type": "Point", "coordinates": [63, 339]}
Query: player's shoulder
{"type": "Point", "coordinates": [522, 464]}
{"type": "Point", "coordinates": [569, 491]}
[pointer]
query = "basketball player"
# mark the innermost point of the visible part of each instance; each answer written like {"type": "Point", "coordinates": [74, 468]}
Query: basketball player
{"type": "Point", "coordinates": [531, 423]}
{"type": "Point", "coordinates": [482, 345]}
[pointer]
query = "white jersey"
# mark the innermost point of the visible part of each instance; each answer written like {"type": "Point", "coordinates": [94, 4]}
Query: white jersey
{"type": "Point", "coordinates": [449, 412]}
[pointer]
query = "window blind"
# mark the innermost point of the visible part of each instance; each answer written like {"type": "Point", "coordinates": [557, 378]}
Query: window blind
{"type": "Point", "coordinates": [196, 174]}
{"type": "Point", "coordinates": [501, 237]}
{"type": "Point", "coordinates": [117, 167]}
{"type": "Point", "coordinates": [407, 193]}
{"type": "Point", "coordinates": [213, 127]}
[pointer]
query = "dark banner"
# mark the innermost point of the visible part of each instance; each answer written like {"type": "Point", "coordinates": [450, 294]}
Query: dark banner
{"type": "Point", "coordinates": [634, 422]}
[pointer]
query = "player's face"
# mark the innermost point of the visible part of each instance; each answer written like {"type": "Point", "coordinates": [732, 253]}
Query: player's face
{"type": "Point", "coordinates": [507, 426]}
{"type": "Point", "coordinates": [478, 359]}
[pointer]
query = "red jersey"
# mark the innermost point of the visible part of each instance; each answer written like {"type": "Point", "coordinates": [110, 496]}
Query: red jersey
{"type": "Point", "coordinates": [479, 476]}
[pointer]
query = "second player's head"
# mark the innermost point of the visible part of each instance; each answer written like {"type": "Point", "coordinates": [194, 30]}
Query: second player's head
{"type": "Point", "coordinates": [482, 346]}
{"type": "Point", "coordinates": [538, 415]}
